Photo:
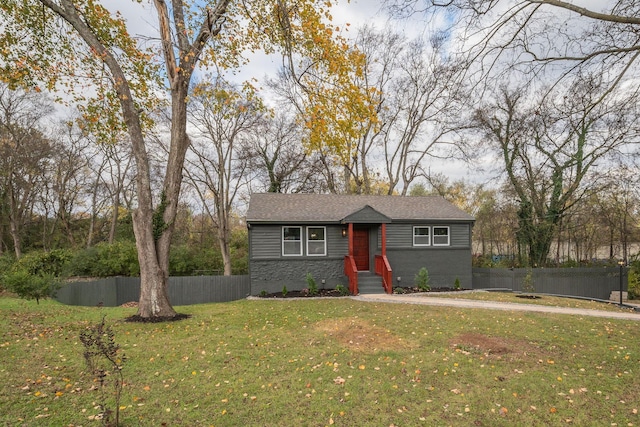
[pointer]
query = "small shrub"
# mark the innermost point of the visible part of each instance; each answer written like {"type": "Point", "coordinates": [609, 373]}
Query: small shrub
{"type": "Point", "coordinates": [263, 293]}
{"type": "Point", "coordinates": [37, 274]}
{"type": "Point", "coordinates": [342, 290]}
{"type": "Point", "coordinates": [422, 280]}
{"type": "Point", "coordinates": [31, 286]}
{"type": "Point", "coordinates": [456, 284]}
{"type": "Point", "coordinates": [527, 285]}
{"type": "Point", "coordinates": [284, 291]}
{"type": "Point", "coordinates": [398, 290]}
{"type": "Point", "coordinates": [313, 287]}
{"type": "Point", "coordinates": [105, 362]}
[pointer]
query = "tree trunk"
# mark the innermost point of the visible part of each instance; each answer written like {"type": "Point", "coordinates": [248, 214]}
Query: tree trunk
{"type": "Point", "coordinates": [154, 296]}
{"type": "Point", "coordinates": [15, 235]}
{"type": "Point", "coordinates": [114, 216]}
{"type": "Point", "coordinates": [223, 239]}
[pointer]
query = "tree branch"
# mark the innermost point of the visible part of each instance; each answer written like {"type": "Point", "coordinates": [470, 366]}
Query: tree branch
{"type": "Point", "coordinates": [608, 17]}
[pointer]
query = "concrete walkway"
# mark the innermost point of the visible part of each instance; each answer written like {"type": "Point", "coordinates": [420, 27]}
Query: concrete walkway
{"type": "Point", "coordinates": [490, 305]}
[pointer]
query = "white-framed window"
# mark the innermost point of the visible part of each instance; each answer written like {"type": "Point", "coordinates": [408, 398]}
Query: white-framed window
{"type": "Point", "coordinates": [421, 236]}
{"type": "Point", "coordinates": [291, 241]}
{"type": "Point", "coordinates": [316, 241]}
{"type": "Point", "coordinates": [440, 236]}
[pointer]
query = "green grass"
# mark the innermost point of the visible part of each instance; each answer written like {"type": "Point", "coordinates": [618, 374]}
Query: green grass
{"type": "Point", "coordinates": [511, 297]}
{"type": "Point", "coordinates": [324, 362]}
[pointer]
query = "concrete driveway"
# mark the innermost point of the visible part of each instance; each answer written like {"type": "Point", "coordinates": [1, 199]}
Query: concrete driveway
{"type": "Point", "coordinates": [490, 305]}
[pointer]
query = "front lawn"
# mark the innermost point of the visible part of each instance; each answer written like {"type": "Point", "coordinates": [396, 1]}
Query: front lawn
{"type": "Point", "coordinates": [324, 362]}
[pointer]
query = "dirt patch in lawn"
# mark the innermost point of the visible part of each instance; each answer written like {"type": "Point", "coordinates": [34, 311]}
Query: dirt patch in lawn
{"type": "Point", "coordinates": [360, 335]}
{"type": "Point", "coordinates": [495, 347]}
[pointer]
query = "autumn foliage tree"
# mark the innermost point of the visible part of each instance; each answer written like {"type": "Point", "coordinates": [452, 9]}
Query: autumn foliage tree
{"type": "Point", "coordinates": [81, 47]}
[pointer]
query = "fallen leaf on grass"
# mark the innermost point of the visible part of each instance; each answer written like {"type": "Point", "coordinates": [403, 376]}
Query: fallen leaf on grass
{"type": "Point", "coordinates": [339, 380]}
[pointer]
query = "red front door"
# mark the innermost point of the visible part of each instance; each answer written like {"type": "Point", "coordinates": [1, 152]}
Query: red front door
{"type": "Point", "coordinates": [361, 248]}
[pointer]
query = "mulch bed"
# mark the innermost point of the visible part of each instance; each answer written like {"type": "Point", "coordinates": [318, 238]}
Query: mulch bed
{"type": "Point", "coordinates": [334, 293]}
{"type": "Point", "coordinates": [140, 319]}
{"type": "Point", "coordinates": [303, 294]}
{"type": "Point", "coordinates": [415, 290]}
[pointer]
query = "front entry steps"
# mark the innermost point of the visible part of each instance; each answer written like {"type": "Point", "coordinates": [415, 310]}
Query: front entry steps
{"type": "Point", "coordinates": [369, 283]}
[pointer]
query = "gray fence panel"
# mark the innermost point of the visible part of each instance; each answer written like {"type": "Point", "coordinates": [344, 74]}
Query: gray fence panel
{"type": "Point", "coordinates": [128, 289]}
{"type": "Point", "coordinates": [115, 291]}
{"type": "Point", "coordinates": [99, 292]}
{"type": "Point", "coordinates": [580, 282]}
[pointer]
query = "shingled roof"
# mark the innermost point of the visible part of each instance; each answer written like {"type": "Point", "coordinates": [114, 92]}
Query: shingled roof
{"type": "Point", "coordinates": [333, 208]}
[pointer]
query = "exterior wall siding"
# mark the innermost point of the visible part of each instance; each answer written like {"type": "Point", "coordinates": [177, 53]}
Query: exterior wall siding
{"type": "Point", "coordinates": [266, 241]}
{"type": "Point", "coordinates": [400, 235]}
{"type": "Point", "coordinates": [272, 275]}
{"type": "Point", "coordinates": [443, 264]}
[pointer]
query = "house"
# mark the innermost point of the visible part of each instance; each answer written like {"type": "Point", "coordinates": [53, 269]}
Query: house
{"type": "Point", "coordinates": [370, 243]}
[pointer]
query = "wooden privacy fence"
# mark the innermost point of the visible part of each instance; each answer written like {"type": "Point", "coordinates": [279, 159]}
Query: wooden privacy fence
{"type": "Point", "coordinates": [597, 283]}
{"type": "Point", "coordinates": [115, 291]}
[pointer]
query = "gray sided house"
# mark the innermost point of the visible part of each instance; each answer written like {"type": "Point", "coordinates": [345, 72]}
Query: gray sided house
{"type": "Point", "coordinates": [368, 243]}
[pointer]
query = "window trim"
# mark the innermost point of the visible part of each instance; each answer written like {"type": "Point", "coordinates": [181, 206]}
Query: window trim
{"type": "Point", "coordinates": [446, 227]}
{"type": "Point", "coordinates": [282, 239]}
{"type": "Point", "coordinates": [324, 241]}
{"type": "Point", "coordinates": [415, 227]}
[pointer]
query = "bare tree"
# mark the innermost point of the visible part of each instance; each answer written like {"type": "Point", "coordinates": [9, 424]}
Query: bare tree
{"type": "Point", "coordinates": [24, 155]}
{"type": "Point", "coordinates": [273, 148]}
{"type": "Point", "coordinates": [412, 83]}
{"type": "Point", "coordinates": [617, 208]}
{"type": "Point", "coordinates": [221, 117]}
{"type": "Point", "coordinates": [116, 178]}
{"type": "Point", "coordinates": [67, 179]}
{"type": "Point", "coordinates": [551, 147]}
